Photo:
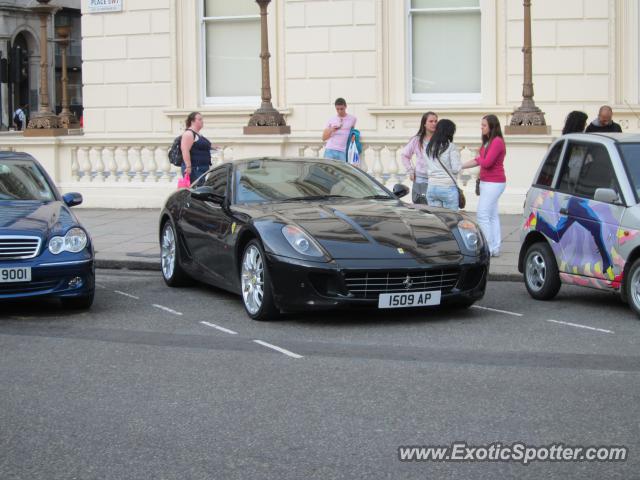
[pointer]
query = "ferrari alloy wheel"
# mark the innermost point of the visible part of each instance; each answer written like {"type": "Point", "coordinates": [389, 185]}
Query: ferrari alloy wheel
{"type": "Point", "coordinates": [255, 283]}
{"type": "Point", "coordinates": [632, 287]}
{"type": "Point", "coordinates": [172, 271]}
{"type": "Point", "coordinates": [541, 275]}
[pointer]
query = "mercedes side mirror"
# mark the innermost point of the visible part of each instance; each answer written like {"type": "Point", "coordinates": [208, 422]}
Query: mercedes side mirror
{"type": "Point", "coordinates": [400, 190]}
{"type": "Point", "coordinates": [72, 199]}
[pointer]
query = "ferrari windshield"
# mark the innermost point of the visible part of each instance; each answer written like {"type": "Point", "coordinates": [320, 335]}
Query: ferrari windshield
{"type": "Point", "coordinates": [282, 180]}
{"type": "Point", "coordinates": [23, 180]}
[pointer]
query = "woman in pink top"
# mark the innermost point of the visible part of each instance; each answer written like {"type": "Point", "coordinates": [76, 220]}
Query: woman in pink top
{"type": "Point", "coordinates": [492, 180]}
{"type": "Point", "coordinates": [416, 146]}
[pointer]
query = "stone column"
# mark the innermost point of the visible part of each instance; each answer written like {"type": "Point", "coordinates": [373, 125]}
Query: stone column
{"type": "Point", "coordinates": [44, 122]}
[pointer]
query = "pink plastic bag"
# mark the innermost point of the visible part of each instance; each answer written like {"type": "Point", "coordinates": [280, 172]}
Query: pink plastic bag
{"type": "Point", "coordinates": [184, 182]}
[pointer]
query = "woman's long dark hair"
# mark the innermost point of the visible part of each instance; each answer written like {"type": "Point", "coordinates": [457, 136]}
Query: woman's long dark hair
{"type": "Point", "coordinates": [442, 138]}
{"type": "Point", "coordinates": [191, 118]}
{"type": "Point", "coordinates": [575, 123]}
{"type": "Point", "coordinates": [494, 129]}
{"type": "Point", "coordinates": [422, 132]}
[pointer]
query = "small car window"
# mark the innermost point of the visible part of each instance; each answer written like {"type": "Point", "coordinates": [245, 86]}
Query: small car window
{"type": "Point", "coordinates": [549, 167]}
{"type": "Point", "coordinates": [587, 167]}
{"type": "Point", "coordinates": [218, 180]}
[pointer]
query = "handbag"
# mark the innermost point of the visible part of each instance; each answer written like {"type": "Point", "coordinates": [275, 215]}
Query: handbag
{"type": "Point", "coordinates": [184, 182]}
{"type": "Point", "coordinates": [478, 186]}
{"type": "Point", "coordinates": [419, 192]}
{"type": "Point", "coordinates": [462, 201]}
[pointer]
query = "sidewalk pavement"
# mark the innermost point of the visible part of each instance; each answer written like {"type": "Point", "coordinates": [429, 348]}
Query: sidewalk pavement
{"type": "Point", "coordinates": [128, 239]}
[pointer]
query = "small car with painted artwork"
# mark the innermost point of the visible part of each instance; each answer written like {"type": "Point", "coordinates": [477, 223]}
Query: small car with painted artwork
{"type": "Point", "coordinates": [581, 221]}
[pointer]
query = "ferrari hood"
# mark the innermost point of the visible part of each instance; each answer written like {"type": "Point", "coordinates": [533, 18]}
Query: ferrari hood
{"type": "Point", "coordinates": [370, 229]}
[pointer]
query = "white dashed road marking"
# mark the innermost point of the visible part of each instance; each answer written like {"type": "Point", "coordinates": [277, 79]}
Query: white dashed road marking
{"type": "Point", "coordinates": [498, 311]}
{"type": "Point", "coordinates": [167, 309]}
{"type": "Point", "coordinates": [126, 295]}
{"type": "Point", "coordinates": [577, 325]}
{"type": "Point", "coordinates": [278, 349]}
{"type": "Point", "coordinates": [218, 327]}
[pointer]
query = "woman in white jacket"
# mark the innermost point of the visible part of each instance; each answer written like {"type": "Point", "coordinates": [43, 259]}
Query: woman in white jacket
{"type": "Point", "coordinates": [443, 163]}
{"type": "Point", "coordinates": [418, 173]}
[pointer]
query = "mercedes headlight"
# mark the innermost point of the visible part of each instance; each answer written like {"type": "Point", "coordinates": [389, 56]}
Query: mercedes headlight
{"type": "Point", "coordinates": [301, 242]}
{"type": "Point", "coordinates": [74, 241]}
{"type": "Point", "coordinates": [471, 237]}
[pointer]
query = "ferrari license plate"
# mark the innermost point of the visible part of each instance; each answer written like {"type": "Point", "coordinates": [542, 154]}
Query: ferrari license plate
{"type": "Point", "coordinates": [15, 274]}
{"type": "Point", "coordinates": [413, 299]}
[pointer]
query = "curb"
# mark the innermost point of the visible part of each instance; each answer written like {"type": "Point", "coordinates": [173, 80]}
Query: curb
{"type": "Point", "coordinates": [152, 266]}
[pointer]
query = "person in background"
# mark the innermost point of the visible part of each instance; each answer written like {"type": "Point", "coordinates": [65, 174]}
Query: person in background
{"type": "Point", "coordinates": [336, 132]}
{"type": "Point", "coordinates": [20, 117]}
{"type": "Point", "coordinates": [418, 173]}
{"type": "Point", "coordinates": [575, 122]}
{"type": "Point", "coordinates": [196, 149]}
{"type": "Point", "coordinates": [604, 122]}
{"type": "Point", "coordinates": [442, 156]}
{"type": "Point", "coordinates": [492, 180]}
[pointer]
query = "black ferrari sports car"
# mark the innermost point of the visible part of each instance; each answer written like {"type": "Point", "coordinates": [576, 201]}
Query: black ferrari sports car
{"type": "Point", "coordinates": [299, 234]}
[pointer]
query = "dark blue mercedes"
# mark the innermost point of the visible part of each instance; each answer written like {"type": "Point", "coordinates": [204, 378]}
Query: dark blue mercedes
{"type": "Point", "coordinates": [44, 250]}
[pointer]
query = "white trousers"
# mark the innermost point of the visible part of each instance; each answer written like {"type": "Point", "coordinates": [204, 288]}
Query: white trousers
{"type": "Point", "coordinates": [488, 217]}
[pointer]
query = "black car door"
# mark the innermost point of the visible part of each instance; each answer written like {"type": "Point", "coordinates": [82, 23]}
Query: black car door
{"type": "Point", "coordinates": [205, 224]}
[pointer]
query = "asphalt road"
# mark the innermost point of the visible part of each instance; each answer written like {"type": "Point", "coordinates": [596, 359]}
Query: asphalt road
{"type": "Point", "coordinates": [159, 383]}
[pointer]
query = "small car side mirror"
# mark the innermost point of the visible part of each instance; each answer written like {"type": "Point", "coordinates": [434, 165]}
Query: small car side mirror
{"type": "Point", "coordinates": [207, 194]}
{"type": "Point", "coordinates": [606, 195]}
{"type": "Point", "coordinates": [72, 199]}
{"type": "Point", "coordinates": [400, 190]}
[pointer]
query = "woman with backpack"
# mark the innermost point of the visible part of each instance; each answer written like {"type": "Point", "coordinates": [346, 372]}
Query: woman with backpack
{"type": "Point", "coordinates": [195, 148]}
{"type": "Point", "coordinates": [443, 163]}
{"type": "Point", "coordinates": [418, 173]}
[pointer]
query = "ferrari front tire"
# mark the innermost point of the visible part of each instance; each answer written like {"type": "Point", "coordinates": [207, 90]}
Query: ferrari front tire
{"type": "Point", "coordinates": [255, 282]}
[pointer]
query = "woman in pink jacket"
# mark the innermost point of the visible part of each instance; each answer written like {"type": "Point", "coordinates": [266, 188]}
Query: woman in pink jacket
{"type": "Point", "coordinates": [416, 146]}
{"type": "Point", "coordinates": [492, 180]}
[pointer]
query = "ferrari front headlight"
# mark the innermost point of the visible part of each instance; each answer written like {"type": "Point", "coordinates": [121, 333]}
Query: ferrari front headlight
{"type": "Point", "coordinates": [301, 242]}
{"type": "Point", "coordinates": [471, 237]}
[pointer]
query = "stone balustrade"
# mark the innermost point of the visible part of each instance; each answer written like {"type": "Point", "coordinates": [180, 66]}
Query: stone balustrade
{"type": "Point", "coordinates": [130, 172]}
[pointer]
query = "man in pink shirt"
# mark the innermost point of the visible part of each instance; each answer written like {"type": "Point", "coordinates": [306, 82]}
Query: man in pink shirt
{"type": "Point", "coordinates": [336, 132]}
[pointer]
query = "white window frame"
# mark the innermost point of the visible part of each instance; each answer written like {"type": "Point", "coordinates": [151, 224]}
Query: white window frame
{"type": "Point", "coordinates": [246, 100]}
{"type": "Point", "coordinates": [440, 98]}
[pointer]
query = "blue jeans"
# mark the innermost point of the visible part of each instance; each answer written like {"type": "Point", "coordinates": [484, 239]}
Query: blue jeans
{"type": "Point", "coordinates": [439, 196]}
{"type": "Point", "coordinates": [335, 155]}
{"type": "Point", "coordinates": [196, 171]}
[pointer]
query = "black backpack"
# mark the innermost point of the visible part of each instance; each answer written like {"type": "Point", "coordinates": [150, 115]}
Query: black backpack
{"type": "Point", "coordinates": [16, 118]}
{"type": "Point", "coordinates": [175, 152]}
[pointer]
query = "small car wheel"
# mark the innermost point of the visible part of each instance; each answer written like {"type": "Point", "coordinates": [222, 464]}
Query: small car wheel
{"type": "Point", "coordinates": [541, 275]}
{"type": "Point", "coordinates": [78, 303]}
{"type": "Point", "coordinates": [632, 286]}
{"type": "Point", "coordinates": [172, 271]}
{"type": "Point", "coordinates": [255, 282]}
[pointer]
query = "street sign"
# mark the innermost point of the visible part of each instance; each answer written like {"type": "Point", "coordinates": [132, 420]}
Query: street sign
{"type": "Point", "coordinates": [99, 6]}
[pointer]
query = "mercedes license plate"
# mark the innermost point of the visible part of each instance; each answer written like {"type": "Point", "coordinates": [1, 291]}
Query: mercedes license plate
{"type": "Point", "coordinates": [413, 299]}
{"type": "Point", "coordinates": [15, 274]}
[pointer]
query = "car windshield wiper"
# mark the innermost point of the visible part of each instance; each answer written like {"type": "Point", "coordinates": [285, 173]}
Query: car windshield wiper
{"type": "Point", "coordinates": [379, 197]}
{"type": "Point", "coordinates": [313, 197]}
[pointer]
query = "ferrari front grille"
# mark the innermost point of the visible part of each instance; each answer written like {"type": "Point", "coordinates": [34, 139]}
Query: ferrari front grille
{"type": "Point", "coordinates": [373, 283]}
